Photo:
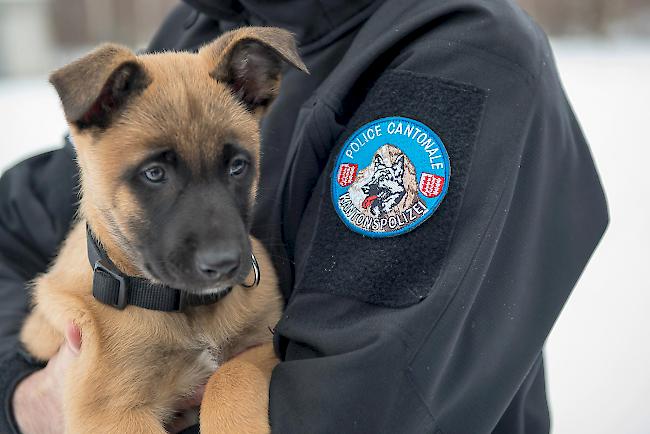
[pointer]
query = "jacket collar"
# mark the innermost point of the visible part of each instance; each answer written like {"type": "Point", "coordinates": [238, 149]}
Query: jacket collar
{"type": "Point", "coordinates": [309, 20]}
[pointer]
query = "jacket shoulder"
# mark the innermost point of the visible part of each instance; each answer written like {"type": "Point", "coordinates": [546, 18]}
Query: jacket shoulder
{"type": "Point", "coordinates": [497, 29]}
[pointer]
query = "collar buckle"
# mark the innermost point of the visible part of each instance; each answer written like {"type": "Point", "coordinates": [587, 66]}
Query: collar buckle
{"type": "Point", "coordinates": [182, 301]}
{"type": "Point", "coordinates": [122, 293]}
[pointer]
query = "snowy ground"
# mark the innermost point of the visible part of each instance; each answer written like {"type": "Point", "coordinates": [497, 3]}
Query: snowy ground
{"type": "Point", "coordinates": [598, 356]}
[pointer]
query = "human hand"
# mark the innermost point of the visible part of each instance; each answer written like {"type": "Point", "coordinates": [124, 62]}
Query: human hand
{"type": "Point", "coordinates": [37, 400]}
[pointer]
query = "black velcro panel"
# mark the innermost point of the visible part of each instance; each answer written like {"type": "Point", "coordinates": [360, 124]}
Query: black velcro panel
{"type": "Point", "coordinates": [397, 271]}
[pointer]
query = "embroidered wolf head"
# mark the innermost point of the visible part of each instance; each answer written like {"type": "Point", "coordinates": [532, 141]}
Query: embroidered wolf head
{"type": "Point", "coordinates": [385, 190]}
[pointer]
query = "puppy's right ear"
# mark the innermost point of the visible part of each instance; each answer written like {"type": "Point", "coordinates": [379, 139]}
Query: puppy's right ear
{"type": "Point", "coordinates": [96, 87]}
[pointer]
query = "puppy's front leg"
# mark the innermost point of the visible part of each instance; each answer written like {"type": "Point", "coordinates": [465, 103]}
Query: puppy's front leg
{"type": "Point", "coordinates": [236, 398]}
{"type": "Point", "coordinates": [100, 396]}
{"type": "Point", "coordinates": [39, 337]}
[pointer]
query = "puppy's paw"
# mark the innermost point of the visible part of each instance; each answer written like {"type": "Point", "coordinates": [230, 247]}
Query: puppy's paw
{"type": "Point", "coordinates": [236, 398]}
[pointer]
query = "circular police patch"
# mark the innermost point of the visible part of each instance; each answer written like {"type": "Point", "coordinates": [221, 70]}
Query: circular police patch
{"type": "Point", "coordinates": [390, 176]}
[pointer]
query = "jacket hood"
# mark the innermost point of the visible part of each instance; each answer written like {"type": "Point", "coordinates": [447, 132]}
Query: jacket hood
{"type": "Point", "coordinates": [309, 20]}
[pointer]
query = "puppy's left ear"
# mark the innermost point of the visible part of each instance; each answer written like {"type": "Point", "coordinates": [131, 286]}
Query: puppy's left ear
{"type": "Point", "coordinates": [249, 60]}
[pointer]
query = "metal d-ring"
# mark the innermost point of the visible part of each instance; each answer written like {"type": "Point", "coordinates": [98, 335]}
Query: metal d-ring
{"type": "Point", "coordinates": [256, 269]}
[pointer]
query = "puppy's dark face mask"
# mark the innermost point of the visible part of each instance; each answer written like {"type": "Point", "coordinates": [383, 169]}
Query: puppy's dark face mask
{"type": "Point", "coordinates": [192, 228]}
{"type": "Point", "coordinates": [168, 146]}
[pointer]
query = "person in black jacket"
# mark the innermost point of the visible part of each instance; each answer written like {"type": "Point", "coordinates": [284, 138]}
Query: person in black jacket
{"type": "Point", "coordinates": [423, 270]}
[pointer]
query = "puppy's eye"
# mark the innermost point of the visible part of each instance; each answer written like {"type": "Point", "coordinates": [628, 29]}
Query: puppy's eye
{"type": "Point", "coordinates": [238, 166]}
{"type": "Point", "coordinates": [155, 174]}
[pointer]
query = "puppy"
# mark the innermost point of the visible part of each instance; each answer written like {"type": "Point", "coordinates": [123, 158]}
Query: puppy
{"type": "Point", "coordinates": [168, 150]}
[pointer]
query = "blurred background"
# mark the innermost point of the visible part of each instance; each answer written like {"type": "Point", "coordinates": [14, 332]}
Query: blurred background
{"type": "Point", "coordinates": [598, 355]}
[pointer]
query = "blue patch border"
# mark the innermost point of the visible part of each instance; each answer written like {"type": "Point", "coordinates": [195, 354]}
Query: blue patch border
{"type": "Point", "coordinates": [411, 226]}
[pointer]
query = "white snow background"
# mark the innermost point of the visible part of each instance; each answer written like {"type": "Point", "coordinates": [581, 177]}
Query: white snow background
{"type": "Point", "coordinates": [598, 355]}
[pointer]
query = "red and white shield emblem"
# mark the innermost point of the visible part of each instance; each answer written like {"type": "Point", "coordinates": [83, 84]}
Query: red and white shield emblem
{"type": "Point", "coordinates": [347, 174]}
{"type": "Point", "coordinates": [431, 185]}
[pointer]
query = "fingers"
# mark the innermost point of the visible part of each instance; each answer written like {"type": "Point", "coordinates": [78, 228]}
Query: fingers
{"type": "Point", "coordinates": [73, 337]}
{"type": "Point", "coordinates": [37, 400]}
{"type": "Point", "coordinates": [68, 352]}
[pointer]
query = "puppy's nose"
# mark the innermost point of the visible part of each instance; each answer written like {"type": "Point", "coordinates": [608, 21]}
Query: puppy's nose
{"type": "Point", "coordinates": [214, 263]}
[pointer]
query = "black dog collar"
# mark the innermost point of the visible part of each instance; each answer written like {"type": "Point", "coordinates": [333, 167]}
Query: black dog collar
{"type": "Point", "coordinates": [112, 287]}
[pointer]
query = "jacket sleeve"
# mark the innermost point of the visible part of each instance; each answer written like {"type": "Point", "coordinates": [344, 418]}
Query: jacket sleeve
{"type": "Point", "coordinates": [37, 204]}
{"type": "Point", "coordinates": [441, 329]}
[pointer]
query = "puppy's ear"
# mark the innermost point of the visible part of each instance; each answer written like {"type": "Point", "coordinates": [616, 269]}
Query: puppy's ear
{"type": "Point", "coordinates": [250, 59]}
{"type": "Point", "coordinates": [97, 86]}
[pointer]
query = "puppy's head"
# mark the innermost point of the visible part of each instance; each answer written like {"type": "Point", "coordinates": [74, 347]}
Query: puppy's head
{"type": "Point", "coordinates": [168, 146]}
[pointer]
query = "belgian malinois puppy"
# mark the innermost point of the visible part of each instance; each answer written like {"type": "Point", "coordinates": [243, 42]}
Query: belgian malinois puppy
{"type": "Point", "coordinates": [168, 150]}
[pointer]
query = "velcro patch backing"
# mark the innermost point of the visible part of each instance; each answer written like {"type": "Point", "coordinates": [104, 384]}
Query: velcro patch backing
{"type": "Point", "coordinates": [401, 270]}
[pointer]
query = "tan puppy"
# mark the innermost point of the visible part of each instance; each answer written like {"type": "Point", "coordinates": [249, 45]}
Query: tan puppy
{"type": "Point", "coordinates": [168, 147]}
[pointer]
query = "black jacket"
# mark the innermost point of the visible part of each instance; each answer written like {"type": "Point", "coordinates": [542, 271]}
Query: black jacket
{"type": "Point", "coordinates": [437, 330]}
